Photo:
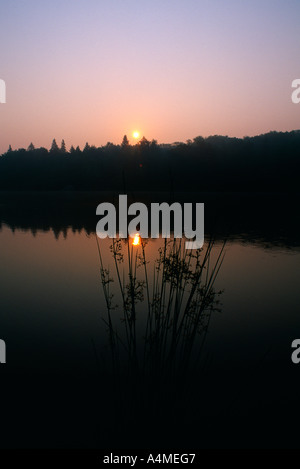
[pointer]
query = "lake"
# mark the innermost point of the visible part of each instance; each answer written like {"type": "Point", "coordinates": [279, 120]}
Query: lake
{"type": "Point", "coordinates": [60, 386]}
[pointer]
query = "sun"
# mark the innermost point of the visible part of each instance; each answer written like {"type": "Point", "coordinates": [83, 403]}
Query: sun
{"type": "Point", "coordinates": [136, 134]}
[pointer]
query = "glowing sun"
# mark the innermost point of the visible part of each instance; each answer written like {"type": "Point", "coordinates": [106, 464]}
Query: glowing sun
{"type": "Point", "coordinates": [137, 240]}
{"type": "Point", "coordinates": [136, 134]}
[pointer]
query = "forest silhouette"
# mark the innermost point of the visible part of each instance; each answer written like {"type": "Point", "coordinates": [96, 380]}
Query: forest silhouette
{"type": "Point", "coordinates": [264, 163]}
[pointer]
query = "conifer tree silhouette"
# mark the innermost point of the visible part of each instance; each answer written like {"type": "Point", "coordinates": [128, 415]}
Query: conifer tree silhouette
{"type": "Point", "coordinates": [125, 142]}
{"type": "Point", "coordinates": [63, 146]}
{"type": "Point", "coordinates": [54, 147]}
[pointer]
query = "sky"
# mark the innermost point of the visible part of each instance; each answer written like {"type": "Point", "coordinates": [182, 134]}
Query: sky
{"type": "Point", "coordinates": [93, 70]}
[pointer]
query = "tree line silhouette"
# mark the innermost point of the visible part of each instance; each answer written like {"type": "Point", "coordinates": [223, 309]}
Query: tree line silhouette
{"type": "Point", "coordinates": [268, 162]}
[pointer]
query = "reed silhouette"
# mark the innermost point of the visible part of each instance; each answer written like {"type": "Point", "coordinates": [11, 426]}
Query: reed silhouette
{"type": "Point", "coordinates": [157, 333]}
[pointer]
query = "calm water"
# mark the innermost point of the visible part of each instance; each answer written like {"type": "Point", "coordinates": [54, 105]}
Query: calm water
{"type": "Point", "coordinates": [55, 391]}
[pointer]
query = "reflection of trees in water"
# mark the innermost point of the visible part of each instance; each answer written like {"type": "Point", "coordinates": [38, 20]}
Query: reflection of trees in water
{"type": "Point", "coordinates": [243, 217]}
{"type": "Point", "coordinates": [157, 332]}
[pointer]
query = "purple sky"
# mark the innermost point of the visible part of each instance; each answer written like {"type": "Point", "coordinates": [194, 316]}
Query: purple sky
{"type": "Point", "coordinates": [87, 70]}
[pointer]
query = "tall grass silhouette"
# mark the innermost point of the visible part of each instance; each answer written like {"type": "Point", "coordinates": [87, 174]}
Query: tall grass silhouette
{"type": "Point", "coordinates": [158, 329]}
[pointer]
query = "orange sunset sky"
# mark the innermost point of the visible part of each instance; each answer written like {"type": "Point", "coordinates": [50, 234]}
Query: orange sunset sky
{"type": "Point", "coordinates": [94, 70]}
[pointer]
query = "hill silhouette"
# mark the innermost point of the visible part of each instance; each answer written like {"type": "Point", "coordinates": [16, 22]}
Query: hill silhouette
{"type": "Point", "coordinates": [264, 163]}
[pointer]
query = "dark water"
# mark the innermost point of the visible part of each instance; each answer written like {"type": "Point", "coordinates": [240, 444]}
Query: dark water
{"type": "Point", "coordinates": [58, 388]}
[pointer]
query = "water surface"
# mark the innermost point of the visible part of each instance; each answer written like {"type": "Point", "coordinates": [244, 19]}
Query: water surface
{"type": "Point", "coordinates": [54, 385]}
